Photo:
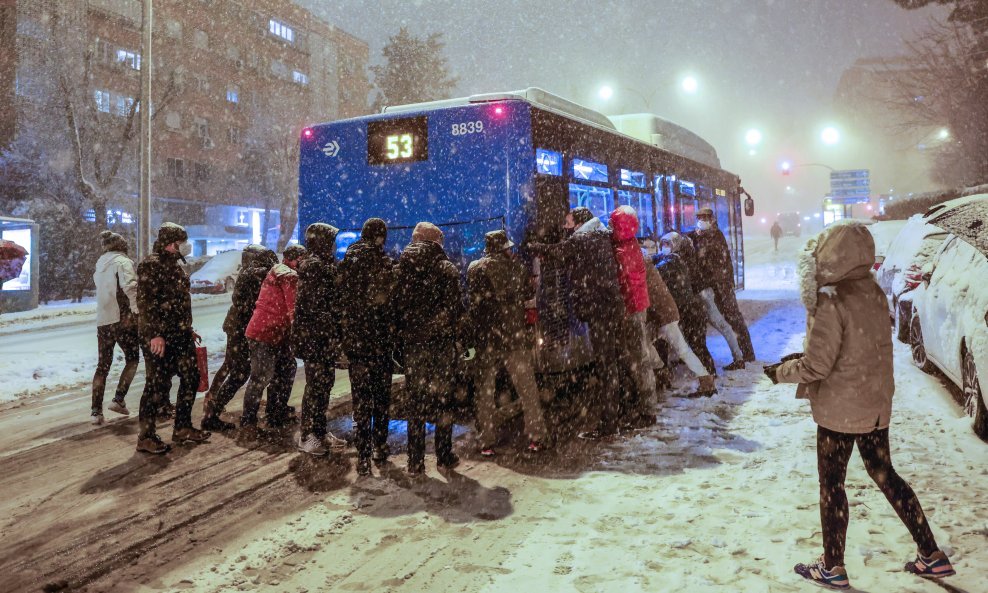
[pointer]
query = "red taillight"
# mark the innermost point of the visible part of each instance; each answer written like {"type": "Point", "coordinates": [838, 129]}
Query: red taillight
{"type": "Point", "coordinates": [877, 265]}
{"type": "Point", "coordinates": [498, 111]}
{"type": "Point", "coordinates": [307, 133]}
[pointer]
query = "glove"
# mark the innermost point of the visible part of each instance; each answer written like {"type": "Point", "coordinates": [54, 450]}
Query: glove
{"type": "Point", "coordinates": [770, 371]}
{"type": "Point", "coordinates": [792, 356]}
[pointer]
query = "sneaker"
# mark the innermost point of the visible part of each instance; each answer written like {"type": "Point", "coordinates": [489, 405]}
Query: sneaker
{"type": "Point", "coordinates": [97, 420]}
{"type": "Point", "coordinates": [153, 445]}
{"type": "Point", "coordinates": [311, 445]}
{"type": "Point", "coordinates": [488, 453]}
{"type": "Point", "coordinates": [334, 442]}
{"type": "Point", "coordinates": [536, 447]}
{"type": "Point", "coordinates": [119, 407]}
{"type": "Point", "coordinates": [737, 365]}
{"type": "Point", "coordinates": [216, 424]}
{"type": "Point", "coordinates": [448, 463]}
{"type": "Point", "coordinates": [935, 567]}
{"type": "Point", "coordinates": [190, 435]}
{"type": "Point", "coordinates": [835, 578]}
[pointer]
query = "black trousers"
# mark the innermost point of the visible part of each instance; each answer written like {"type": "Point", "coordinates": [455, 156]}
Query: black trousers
{"type": "Point", "coordinates": [179, 359]}
{"type": "Point", "coordinates": [429, 375]}
{"type": "Point", "coordinates": [727, 304]}
{"type": "Point", "coordinates": [695, 331]}
{"type": "Point", "coordinates": [124, 333]}
{"type": "Point", "coordinates": [272, 367]}
{"type": "Point", "coordinates": [833, 450]}
{"type": "Point", "coordinates": [370, 383]}
{"type": "Point", "coordinates": [236, 371]}
{"type": "Point", "coordinates": [320, 376]}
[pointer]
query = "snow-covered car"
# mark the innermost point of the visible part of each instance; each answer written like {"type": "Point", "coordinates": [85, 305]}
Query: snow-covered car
{"type": "Point", "coordinates": [884, 232]}
{"type": "Point", "coordinates": [901, 267]}
{"type": "Point", "coordinates": [219, 274]}
{"type": "Point", "coordinates": [949, 324]}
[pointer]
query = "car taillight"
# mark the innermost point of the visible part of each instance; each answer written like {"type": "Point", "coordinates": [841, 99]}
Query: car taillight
{"type": "Point", "coordinates": [877, 265]}
{"type": "Point", "coordinates": [911, 284]}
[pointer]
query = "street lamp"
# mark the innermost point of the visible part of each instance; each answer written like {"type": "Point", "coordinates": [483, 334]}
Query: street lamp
{"type": "Point", "coordinates": [830, 136]}
{"type": "Point", "coordinates": [605, 92]}
{"type": "Point", "coordinates": [690, 84]}
{"type": "Point", "coordinates": [753, 137]}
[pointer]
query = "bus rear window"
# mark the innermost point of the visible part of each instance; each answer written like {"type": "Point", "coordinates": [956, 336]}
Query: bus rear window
{"type": "Point", "coordinates": [398, 140]}
{"type": "Point", "coordinates": [548, 162]}
{"type": "Point", "coordinates": [589, 170]}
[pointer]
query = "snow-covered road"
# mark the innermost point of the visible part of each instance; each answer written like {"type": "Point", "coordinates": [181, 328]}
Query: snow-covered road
{"type": "Point", "coordinates": [721, 495]}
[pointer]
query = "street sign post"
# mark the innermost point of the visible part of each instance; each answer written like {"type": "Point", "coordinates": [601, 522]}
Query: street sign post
{"type": "Point", "coordinates": [850, 186]}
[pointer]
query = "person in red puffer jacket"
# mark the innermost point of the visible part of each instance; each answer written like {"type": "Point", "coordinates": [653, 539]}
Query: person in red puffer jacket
{"type": "Point", "coordinates": [272, 364]}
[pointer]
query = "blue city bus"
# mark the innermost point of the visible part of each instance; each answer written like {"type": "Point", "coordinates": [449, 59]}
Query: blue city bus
{"type": "Point", "coordinates": [515, 161]}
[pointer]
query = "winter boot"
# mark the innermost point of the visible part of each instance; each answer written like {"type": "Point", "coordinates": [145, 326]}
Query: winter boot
{"type": "Point", "coordinates": [190, 435]}
{"type": "Point", "coordinates": [835, 578]}
{"type": "Point", "coordinates": [211, 419]}
{"type": "Point", "coordinates": [153, 445]}
{"type": "Point", "coordinates": [706, 388]}
{"type": "Point", "coordinates": [935, 567]}
{"type": "Point", "coordinates": [737, 365]}
{"type": "Point", "coordinates": [119, 407]}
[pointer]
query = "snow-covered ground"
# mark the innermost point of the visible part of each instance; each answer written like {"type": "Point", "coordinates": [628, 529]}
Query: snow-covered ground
{"type": "Point", "coordinates": [721, 495]}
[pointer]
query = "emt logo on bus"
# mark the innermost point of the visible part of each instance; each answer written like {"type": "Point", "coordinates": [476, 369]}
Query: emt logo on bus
{"type": "Point", "coordinates": [331, 149]}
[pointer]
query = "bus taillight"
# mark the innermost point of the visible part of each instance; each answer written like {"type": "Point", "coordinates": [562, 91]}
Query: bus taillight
{"type": "Point", "coordinates": [307, 133]}
{"type": "Point", "coordinates": [499, 111]}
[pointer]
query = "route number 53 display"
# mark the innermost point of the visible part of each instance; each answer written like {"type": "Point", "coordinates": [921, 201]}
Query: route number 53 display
{"type": "Point", "coordinates": [399, 147]}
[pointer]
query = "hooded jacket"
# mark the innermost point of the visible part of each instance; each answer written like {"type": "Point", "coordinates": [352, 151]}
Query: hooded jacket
{"type": "Point", "coordinates": [245, 292]}
{"type": "Point", "coordinates": [675, 273]}
{"type": "Point", "coordinates": [367, 280]}
{"type": "Point", "coordinates": [712, 267]}
{"type": "Point", "coordinates": [427, 300]}
{"type": "Point", "coordinates": [316, 335]}
{"type": "Point", "coordinates": [163, 298]}
{"type": "Point", "coordinates": [116, 288]}
{"type": "Point", "coordinates": [499, 287]}
{"type": "Point", "coordinates": [274, 313]}
{"type": "Point", "coordinates": [846, 369]}
{"type": "Point", "coordinates": [631, 264]}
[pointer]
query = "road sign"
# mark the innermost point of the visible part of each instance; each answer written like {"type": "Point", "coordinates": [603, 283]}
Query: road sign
{"type": "Point", "coordinates": [850, 186]}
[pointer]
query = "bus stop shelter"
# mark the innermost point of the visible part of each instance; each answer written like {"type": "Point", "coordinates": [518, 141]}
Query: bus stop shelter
{"type": "Point", "coordinates": [21, 293]}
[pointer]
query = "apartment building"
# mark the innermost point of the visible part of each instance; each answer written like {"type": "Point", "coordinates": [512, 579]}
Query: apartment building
{"type": "Point", "coordinates": [234, 81]}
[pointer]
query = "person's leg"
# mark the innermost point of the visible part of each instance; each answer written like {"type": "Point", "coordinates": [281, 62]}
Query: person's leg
{"type": "Point", "coordinates": [280, 389]}
{"type": "Point", "coordinates": [486, 403]}
{"type": "Point", "coordinates": [674, 337]}
{"type": "Point", "coordinates": [519, 365]}
{"type": "Point", "coordinates": [157, 384]}
{"type": "Point", "coordinates": [833, 451]}
{"type": "Point", "coordinates": [187, 367]}
{"type": "Point", "coordinates": [131, 345]}
{"type": "Point", "coordinates": [320, 376]}
{"type": "Point", "coordinates": [380, 387]}
{"type": "Point", "coordinates": [874, 450]}
{"type": "Point", "coordinates": [362, 398]}
{"type": "Point", "coordinates": [719, 323]}
{"type": "Point", "coordinates": [104, 346]}
{"type": "Point", "coordinates": [223, 371]}
{"type": "Point", "coordinates": [261, 371]}
{"type": "Point", "coordinates": [237, 365]}
{"type": "Point", "coordinates": [727, 302]}
{"type": "Point", "coordinates": [695, 332]}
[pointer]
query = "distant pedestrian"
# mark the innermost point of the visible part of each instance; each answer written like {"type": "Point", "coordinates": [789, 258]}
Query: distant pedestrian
{"type": "Point", "coordinates": [847, 374]}
{"type": "Point", "coordinates": [167, 338]}
{"type": "Point", "coordinates": [367, 280]}
{"type": "Point", "coordinates": [776, 233]}
{"type": "Point", "coordinates": [272, 364]}
{"type": "Point", "coordinates": [116, 322]}
{"type": "Point", "coordinates": [316, 336]}
{"type": "Point", "coordinates": [499, 290]}
{"type": "Point", "coordinates": [255, 263]}
{"type": "Point", "coordinates": [715, 271]}
{"type": "Point", "coordinates": [429, 311]}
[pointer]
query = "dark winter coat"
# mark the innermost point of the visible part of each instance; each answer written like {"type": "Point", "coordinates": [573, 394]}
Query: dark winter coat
{"type": "Point", "coordinates": [367, 279]}
{"type": "Point", "coordinates": [631, 264]}
{"type": "Point", "coordinates": [163, 297]}
{"type": "Point", "coordinates": [274, 313]}
{"type": "Point", "coordinates": [499, 287]}
{"type": "Point", "coordinates": [245, 293]}
{"type": "Point", "coordinates": [662, 309]}
{"type": "Point", "coordinates": [593, 270]}
{"type": "Point", "coordinates": [776, 231]}
{"type": "Point", "coordinates": [714, 268]}
{"type": "Point", "coordinates": [317, 330]}
{"type": "Point", "coordinates": [427, 300]}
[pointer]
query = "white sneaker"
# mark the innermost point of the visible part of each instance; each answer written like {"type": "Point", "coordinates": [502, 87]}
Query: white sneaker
{"type": "Point", "coordinates": [312, 445]}
{"type": "Point", "coordinates": [335, 443]}
{"type": "Point", "coordinates": [97, 419]}
{"type": "Point", "coordinates": [118, 407]}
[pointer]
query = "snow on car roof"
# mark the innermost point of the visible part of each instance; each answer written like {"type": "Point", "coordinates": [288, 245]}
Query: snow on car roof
{"type": "Point", "coordinates": [219, 267]}
{"type": "Point", "coordinates": [967, 222]}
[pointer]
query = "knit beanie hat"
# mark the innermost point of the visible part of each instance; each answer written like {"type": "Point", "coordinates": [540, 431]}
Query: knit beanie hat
{"type": "Point", "coordinates": [111, 241]}
{"type": "Point", "coordinates": [426, 231]}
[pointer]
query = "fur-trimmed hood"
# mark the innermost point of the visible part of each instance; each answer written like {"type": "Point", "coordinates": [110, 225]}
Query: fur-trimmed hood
{"type": "Point", "coordinates": [842, 251]}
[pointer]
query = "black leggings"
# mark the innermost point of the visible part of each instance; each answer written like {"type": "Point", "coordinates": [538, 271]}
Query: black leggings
{"type": "Point", "coordinates": [833, 450]}
{"type": "Point", "coordinates": [107, 337]}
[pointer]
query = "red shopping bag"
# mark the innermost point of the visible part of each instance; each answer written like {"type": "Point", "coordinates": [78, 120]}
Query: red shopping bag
{"type": "Point", "coordinates": [203, 361]}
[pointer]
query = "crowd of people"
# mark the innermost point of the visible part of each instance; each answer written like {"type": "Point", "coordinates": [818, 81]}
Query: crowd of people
{"type": "Point", "coordinates": [638, 310]}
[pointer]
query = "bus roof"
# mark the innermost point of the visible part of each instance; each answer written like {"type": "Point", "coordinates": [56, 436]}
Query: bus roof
{"type": "Point", "coordinates": [644, 127]}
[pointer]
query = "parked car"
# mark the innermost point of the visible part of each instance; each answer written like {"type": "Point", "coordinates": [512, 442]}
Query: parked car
{"type": "Point", "coordinates": [219, 274]}
{"type": "Point", "coordinates": [949, 323]}
{"type": "Point", "coordinates": [884, 232]}
{"type": "Point", "coordinates": [901, 268]}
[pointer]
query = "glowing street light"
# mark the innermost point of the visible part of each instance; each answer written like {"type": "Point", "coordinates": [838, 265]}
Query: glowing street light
{"type": "Point", "coordinates": [830, 136]}
{"type": "Point", "coordinates": [605, 92]}
{"type": "Point", "coordinates": [753, 137]}
{"type": "Point", "coordinates": [690, 84]}
{"type": "Point", "coordinates": [786, 167]}
{"type": "Point", "coordinates": [944, 134]}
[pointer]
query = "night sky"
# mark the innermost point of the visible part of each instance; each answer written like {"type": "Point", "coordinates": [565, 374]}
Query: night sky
{"type": "Point", "coordinates": [770, 64]}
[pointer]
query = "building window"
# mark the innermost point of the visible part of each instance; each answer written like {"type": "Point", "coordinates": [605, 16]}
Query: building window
{"type": "Point", "coordinates": [173, 28]}
{"type": "Point", "coordinates": [202, 127]}
{"type": "Point", "coordinates": [123, 105]}
{"type": "Point", "coordinates": [201, 83]}
{"type": "Point", "coordinates": [233, 135]}
{"type": "Point", "coordinates": [102, 100]}
{"type": "Point", "coordinates": [200, 39]}
{"type": "Point", "coordinates": [176, 168]}
{"type": "Point", "coordinates": [173, 120]}
{"type": "Point", "coordinates": [103, 52]}
{"type": "Point", "coordinates": [128, 58]}
{"type": "Point", "coordinates": [300, 78]}
{"type": "Point", "coordinates": [202, 172]}
{"type": "Point", "coordinates": [233, 95]}
{"type": "Point", "coordinates": [281, 30]}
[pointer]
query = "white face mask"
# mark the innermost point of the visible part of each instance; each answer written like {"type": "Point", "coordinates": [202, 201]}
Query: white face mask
{"type": "Point", "coordinates": [703, 225]}
{"type": "Point", "coordinates": [666, 250]}
{"type": "Point", "coordinates": [185, 248]}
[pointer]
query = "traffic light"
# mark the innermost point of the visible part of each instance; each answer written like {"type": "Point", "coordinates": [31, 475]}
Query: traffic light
{"type": "Point", "coordinates": [786, 167]}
